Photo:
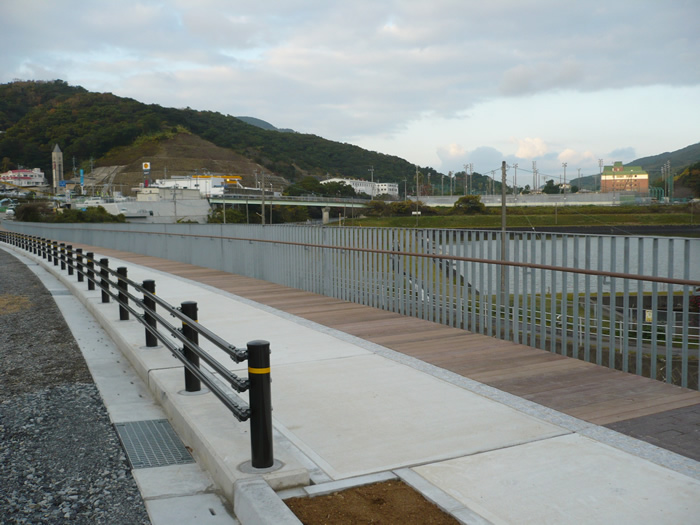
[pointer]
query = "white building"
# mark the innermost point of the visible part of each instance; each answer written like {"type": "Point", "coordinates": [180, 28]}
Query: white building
{"type": "Point", "coordinates": [389, 188]}
{"type": "Point", "coordinates": [370, 188]}
{"type": "Point", "coordinates": [24, 178]}
{"type": "Point", "coordinates": [207, 186]}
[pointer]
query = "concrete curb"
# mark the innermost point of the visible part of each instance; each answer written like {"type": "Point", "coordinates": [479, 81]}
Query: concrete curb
{"type": "Point", "coordinates": [255, 503]}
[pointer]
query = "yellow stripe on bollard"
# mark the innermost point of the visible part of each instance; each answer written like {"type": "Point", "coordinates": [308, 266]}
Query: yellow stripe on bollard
{"type": "Point", "coordinates": [258, 370]}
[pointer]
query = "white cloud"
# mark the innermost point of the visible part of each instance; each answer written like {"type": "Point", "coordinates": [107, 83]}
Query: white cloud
{"type": "Point", "coordinates": [571, 156]}
{"type": "Point", "coordinates": [531, 148]}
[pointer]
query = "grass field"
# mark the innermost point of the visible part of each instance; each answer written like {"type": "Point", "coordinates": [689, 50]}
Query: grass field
{"type": "Point", "coordinates": [546, 217]}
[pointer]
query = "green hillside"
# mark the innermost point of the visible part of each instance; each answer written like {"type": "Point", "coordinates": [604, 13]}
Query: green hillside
{"type": "Point", "coordinates": [34, 116]}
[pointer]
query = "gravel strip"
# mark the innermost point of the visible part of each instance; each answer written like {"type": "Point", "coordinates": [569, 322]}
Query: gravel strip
{"type": "Point", "coordinates": [60, 458]}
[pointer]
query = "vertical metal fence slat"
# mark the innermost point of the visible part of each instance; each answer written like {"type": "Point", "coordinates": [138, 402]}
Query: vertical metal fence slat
{"type": "Point", "coordinates": [685, 322]}
{"type": "Point", "coordinates": [599, 306]}
{"type": "Point", "coordinates": [625, 307]}
{"type": "Point", "coordinates": [613, 306]}
{"type": "Point", "coordinates": [640, 308]}
{"type": "Point", "coordinates": [669, 314]}
{"type": "Point", "coordinates": [564, 295]}
{"type": "Point", "coordinates": [654, 307]}
{"type": "Point", "coordinates": [543, 298]}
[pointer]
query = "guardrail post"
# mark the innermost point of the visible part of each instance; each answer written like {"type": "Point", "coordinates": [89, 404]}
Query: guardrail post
{"type": "Point", "coordinates": [260, 404]}
{"type": "Point", "coordinates": [63, 255]}
{"type": "Point", "coordinates": [123, 299]}
{"type": "Point", "coordinates": [69, 257]}
{"type": "Point", "coordinates": [150, 286]}
{"type": "Point", "coordinates": [79, 263]}
{"type": "Point", "coordinates": [91, 270]}
{"type": "Point", "coordinates": [43, 247]}
{"type": "Point", "coordinates": [192, 383]}
{"type": "Point", "coordinates": [104, 279]}
{"type": "Point", "coordinates": [55, 253]}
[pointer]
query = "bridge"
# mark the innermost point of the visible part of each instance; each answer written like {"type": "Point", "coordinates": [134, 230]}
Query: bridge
{"type": "Point", "coordinates": [285, 200]}
{"type": "Point", "coordinates": [383, 328]}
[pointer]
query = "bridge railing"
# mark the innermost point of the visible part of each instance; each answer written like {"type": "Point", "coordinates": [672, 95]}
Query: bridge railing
{"type": "Point", "coordinates": [183, 341]}
{"type": "Point", "coordinates": [518, 286]}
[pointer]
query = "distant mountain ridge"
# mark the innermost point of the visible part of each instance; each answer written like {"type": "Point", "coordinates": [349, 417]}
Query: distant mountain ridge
{"type": "Point", "coordinates": [264, 125]}
{"type": "Point", "coordinates": [680, 159]}
{"type": "Point", "coordinates": [37, 115]}
{"type": "Point", "coordinates": [97, 128]}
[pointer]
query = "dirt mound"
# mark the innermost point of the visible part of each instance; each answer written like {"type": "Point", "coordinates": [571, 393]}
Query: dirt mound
{"type": "Point", "coordinates": [182, 155]}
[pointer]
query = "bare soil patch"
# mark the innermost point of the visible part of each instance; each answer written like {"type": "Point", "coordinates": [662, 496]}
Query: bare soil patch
{"type": "Point", "coordinates": [379, 503]}
{"type": "Point", "coordinates": [11, 304]}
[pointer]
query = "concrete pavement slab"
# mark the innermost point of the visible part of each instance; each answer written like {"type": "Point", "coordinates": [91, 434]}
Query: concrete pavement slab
{"type": "Point", "coordinates": [567, 479]}
{"type": "Point", "coordinates": [366, 414]}
{"type": "Point", "coordinates": [172, 481]}
{"type": "Point", "coordinates": [204, 509]}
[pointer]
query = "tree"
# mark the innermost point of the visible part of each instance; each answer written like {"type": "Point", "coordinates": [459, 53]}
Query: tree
{"type": "Point", "coordinates": [469, 205]}
{"type": "Point", "coordinates": [550, 188]}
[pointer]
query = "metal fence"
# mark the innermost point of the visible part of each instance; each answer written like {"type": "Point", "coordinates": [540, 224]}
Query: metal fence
{"type": "Point", "coordinates": [183, 342]}
{"type": "Point", "coordinates": [626, 302]}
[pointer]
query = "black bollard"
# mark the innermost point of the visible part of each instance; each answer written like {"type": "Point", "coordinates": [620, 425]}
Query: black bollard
{"type": "Point", "coordinates": [79, 264]}
{"type": "Point", "coordinates": [123, 299]}
{"type": "Point", "coordinates": [192, 383]}
{"type": "Point", "coordinates": [69, 257]}
{"type": "Point", "coordinates": [260, 404]}
{"type": "Point", "coordinates": [104, 279]}
{"type": "Point", "coordinates": [150, 286]}
{"type": "Point", "coordinates": [90, 270]}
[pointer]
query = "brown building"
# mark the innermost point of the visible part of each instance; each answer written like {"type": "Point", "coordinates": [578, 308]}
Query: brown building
{"type": "Point", "coordinates": [624, 178]}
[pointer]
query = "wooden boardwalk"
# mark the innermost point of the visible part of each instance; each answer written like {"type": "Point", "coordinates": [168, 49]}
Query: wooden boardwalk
{"type": "Point", "coordinates": [592, 393]}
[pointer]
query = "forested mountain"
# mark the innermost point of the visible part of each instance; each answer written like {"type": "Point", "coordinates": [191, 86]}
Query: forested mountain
{"type": "Point", "coordinates": [679, 159]}
{"type": "Point", "coordinates": [34, 116]}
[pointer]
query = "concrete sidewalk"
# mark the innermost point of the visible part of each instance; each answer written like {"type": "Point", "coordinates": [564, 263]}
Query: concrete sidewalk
{"type": "Point", "coordinates": [347, 411]}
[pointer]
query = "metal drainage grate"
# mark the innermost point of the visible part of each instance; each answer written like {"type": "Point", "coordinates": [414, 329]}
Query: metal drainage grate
{"type": "Point", "coordinates": [152, 443]}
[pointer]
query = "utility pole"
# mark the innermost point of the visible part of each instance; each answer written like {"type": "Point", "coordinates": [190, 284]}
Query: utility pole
{"type": "Point", "coordinates": [504, 292]}
{"type": "Point", "coordinates": [600, 176]}
{"type": "Point", "coordinates": [417, 196]}
{"type": "Point", "coordinates": [670, 181]}
{"type": "Point", "coordinates": [371, 171]}
{"type": "Point", "coordinates": [471, 177]}
{"type": "Point", "coordinates": [515, 179]}
{"type": "Point", "coordinates": [262, 215]}
{"type": "Point", "coordinates": [534, 175]}
{"type": "Point", "coordinates": [564, 187]}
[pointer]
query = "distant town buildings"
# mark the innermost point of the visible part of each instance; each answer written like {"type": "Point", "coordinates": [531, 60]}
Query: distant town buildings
{"type": "Point", "coordinates": [624, 178]}
{"type": "Point", "coordinates": [370, 188]}
{"type": "Point", "coordinates": [24, 178]}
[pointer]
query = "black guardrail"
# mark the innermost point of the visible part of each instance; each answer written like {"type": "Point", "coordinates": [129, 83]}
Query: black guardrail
{"type": "Point", "coordinates": [183, 341]}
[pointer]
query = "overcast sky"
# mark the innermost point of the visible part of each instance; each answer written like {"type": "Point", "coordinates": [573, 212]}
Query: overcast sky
{"type": "Point", "coordinates": [441, 83]}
